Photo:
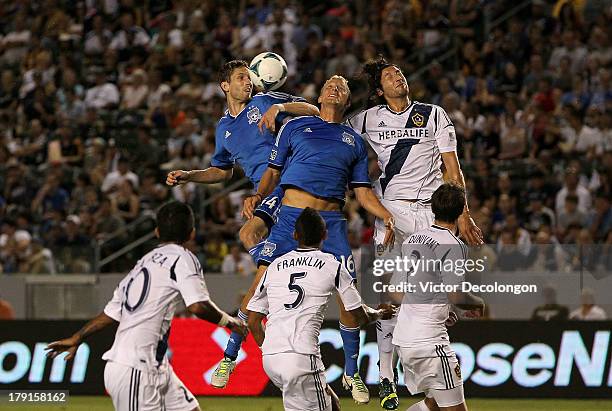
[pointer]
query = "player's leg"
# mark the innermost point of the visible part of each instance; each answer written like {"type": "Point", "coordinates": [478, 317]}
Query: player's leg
{"type": "Point", "coordinates": [132, 389]}
{"type": "Point", "coordinates": [117, 381]}
{"type": "Point", "coordinates": [279, 242]}
{"type": "Point", "coordinates": [175, 396]}
{"type": "Point", "coordinates": [338, 245]}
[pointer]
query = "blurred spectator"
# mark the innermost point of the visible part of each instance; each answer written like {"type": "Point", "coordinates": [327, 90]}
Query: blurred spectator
{"type": "Point", "coordinates": [125, 202]}
{"type": "Point", "coordinates": [570, 187]}
{"type": "Point", "coordinates": [135, 91]}
{"type": "Point", "coordinates": [115, 178]}
{"type": "Point", "coordinates": [588, 310]}
{"type": "Point", "coordinates": [103, 94]}
{"type": "Point", "coordinates": [238, 262]}
{"type": "Point", "coordinates": [550, 310]}
{"type": "Point", "coordinates": [570, 215]}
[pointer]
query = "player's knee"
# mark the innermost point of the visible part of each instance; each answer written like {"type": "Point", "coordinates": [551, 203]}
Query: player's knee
{"type": "Point", "coordinates": [432, 404]}
{"type": "Point", "coordinates": [252, 232]}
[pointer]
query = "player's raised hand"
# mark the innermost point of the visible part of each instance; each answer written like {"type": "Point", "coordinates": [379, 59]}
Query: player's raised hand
{"type": "Point", "coordinates": [250, 204]}
{"type": "Point", "coordinates": [388, 311]}
{"type": "Point", "coordinates": [177, 177]}
{"type": "Point", "coordinates": [69, 345]}
{"type": "Point", "coordinates": [469, 230]}
{"type": "Point", "coordinates": [237, 325]}
{"type": "Point", "coordinates": [269, 118]}
{"type": "Point", "coordinates": [390, 233]}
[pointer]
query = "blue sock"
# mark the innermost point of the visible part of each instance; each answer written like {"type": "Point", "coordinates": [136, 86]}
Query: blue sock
{"type": "Point", "coordinates": [235, 340]}
{"type": "Point", "coordinates": [350, 340]}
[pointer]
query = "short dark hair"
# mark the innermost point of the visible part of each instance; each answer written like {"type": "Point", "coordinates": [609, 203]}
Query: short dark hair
{"type": "Point", "coordinates": [229, 67]}
{"type": "Point", "coordinates": [175, 222]}
{"type": "Point", "coordinates": [373, 69]}
{"type": "Point", "coordinates": [310, 228]}
{"type": "Point", "coordinates": [447, 202]}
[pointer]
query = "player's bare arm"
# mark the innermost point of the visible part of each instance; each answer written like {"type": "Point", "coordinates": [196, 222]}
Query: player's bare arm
{"type": "Point", "coordinates": [297, 108]}
{"type": "Point", "coordinates": [468, 301]}
{"type": "Point", "coordinates": [208, 311]}
{"type": "Point", "coordinates": [467, 227]}
{"type": "Point", "coordinates": [269, 180]}
{"type": "Point", "coordinates": [210, 175]}
{"type": "Point", "coordinates": [366, 315]}
{"type": "Point", "coordinates": [368, 200]}
{"type": "Point", "coordinates": [256, 327]}
{"type": "Point", "coordinates": [71, 344]}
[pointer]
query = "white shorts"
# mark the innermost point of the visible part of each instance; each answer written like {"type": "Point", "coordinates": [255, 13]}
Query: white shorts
{"type": "Point", "coordinates": [136, 390]}
{"type": "Point", "coordinates": [435, 371]}
{"type": "Point", "coordinates": [301, 377]}
{"type": "Point", "coordinates": [409, 218]}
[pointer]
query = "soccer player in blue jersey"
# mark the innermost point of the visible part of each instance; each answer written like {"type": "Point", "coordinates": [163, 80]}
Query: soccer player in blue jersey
{"type": "Point", "coordinates": [244, 136]}
{"type": "Point", "coordinates": [319, 158]}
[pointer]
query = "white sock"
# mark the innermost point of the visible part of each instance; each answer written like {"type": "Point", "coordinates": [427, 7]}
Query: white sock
{"type": "Point", "coordinates": [384, 333]}
{"type": "Point", "coordinates": [419, 406]}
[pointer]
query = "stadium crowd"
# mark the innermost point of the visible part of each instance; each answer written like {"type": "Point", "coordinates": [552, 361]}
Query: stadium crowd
{"type": "Point", "coordinates": [99, 99]}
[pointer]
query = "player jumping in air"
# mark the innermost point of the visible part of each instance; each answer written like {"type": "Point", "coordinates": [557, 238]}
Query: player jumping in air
{"type": "Point", "coordinates": [412, 141]}
{"type": "Point", "coordinates": [430, 364]}
{"type": "Point", "coordinates": [319, 158]}
{"type": "Point", "coordinates": [138, 374]}
{"type": "Point", "coordinates": [244, 136]}
{"type": "Point", "coordinates": [293, 294]}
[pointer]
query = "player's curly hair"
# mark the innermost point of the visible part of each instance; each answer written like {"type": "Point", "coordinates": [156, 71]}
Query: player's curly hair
{"type": "Point", "coordinates": [175, 222]}
{"type": "Point", "coordinates": [447, 202]}
{"type": "Point", "coordinates": [310, 228]}
{"type": "Point", "coordinates": [373, 69]}
{"type": "Point", "coordinates": [229, 67]}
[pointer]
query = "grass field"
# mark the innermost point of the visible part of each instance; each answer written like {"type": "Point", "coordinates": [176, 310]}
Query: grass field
{"type": "Point", "coordinates": [274, 404]}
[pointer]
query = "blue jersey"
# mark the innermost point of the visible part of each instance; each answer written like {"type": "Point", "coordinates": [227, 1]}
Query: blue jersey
{"type": "Point", "coordinates": [238, 139]}
{"type": "Point", "coordinates": [320, 158]}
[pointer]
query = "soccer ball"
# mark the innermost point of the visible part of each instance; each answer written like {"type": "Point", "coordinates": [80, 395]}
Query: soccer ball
{"type": "Point", "coordinates": [268, 71]}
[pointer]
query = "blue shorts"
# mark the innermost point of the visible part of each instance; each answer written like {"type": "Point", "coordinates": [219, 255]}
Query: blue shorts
{"type": "Point", "coordinates": [269, 207]}
{"type": "Point", "coordinates": [281, 241]}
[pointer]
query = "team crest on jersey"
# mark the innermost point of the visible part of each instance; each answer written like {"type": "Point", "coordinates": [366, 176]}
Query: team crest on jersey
{"type": "Point", "coordinates": [458, 371]}
{"type": "Point", "coordinates": [380, 249]}
{"type": "Point", "coordinates": [253, 115]}
{"type": "Point", "coordinates": [268, 249]}
{"type": "Point", "coordinates": [348, 139]}
{"type": "Point", "coordinates": [418, 119]}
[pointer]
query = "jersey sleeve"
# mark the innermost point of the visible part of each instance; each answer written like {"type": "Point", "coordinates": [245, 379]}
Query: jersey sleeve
{"type": "Point", "coordinates": [360, 176]}
{"type": "Point", "coordinates": [113, 307]}
{"type": "Point", "coordinates": [444, 131]}
{"type": "Point", "coordinates": [189, 280]}
{"type": "Point", "coordinates": [275, 97]}
{"type": "Point", "coordinates": [259, 302]}
{"type": "Point", "coordinates": [454, 273]}
{"type": "Point", "coordinates": [281, 149]}
{"type": "Point", "coordinates": [346, 289]}
{"type": "Point", "coordinates": [221, 157]}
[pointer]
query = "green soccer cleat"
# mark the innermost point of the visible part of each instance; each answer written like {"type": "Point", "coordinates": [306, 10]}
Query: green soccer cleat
{"type": "Point", "coordinates": [388, 395]}
{"type": "Point", "coordinates": [358, 389]}
{"type": "Point", "coordinates": [222, 374]}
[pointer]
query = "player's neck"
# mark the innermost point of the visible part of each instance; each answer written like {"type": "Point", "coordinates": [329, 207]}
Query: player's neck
{"type": "Point", "coordinates": [235, 106]}
{"type": "Point", "coordinates": [449, 226]}
{"type": "Point", "coordinates": [398, 104]}
{"type": "Point", "coordinates": [331, 114]}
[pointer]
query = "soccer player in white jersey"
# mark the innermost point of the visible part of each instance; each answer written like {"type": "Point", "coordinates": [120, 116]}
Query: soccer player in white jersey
{"type": "Point", "coordinates": [430, 364]}
{"type": "Point", "coordinates": [138, 375]}
{"type": "Point", "coordinates": [293, 294]}
{"type": "Point", "coordinates": [412, 141]}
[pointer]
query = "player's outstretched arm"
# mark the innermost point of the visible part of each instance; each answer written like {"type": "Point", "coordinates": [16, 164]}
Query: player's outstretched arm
{"type": "Point", "coordinates": [298, 108]}
{"type": "Point", "coordinates": [268, 182]}
{"type": "Point", "coordinates": [467, 301]}
{"type": "Point", "coordinates": [256, 326]}
{"type": "Point", "coordinates": [210, 175]}
{"type": "Point", "coordinates": [467, 227]}
{"type": "Point", "coordinates": [71, 344]}
{"type": "Point", "coordinates": [366, 197]}
{"type": "Point", "coordinates": [366, 315]}
{"type": "Point", "coordinates": [208, 311]}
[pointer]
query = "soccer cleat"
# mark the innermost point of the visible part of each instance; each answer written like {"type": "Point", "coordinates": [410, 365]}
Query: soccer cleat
{"type": "Point", "coordinates": [388, 395]}
{"type": "Point", "coordinates": [222, 374]}
{"type": "Point", "coordinates": [358, 390]}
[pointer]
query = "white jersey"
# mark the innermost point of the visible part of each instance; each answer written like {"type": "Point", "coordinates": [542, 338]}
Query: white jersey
{"type": "Point", "coordinates": [408, 145]}
{"type": "Point", "coordinates": [294, 292]}
{"type": "Point", "coordinates": [145, 301]}
{"type": "Point", "coordinates": [423, 312]}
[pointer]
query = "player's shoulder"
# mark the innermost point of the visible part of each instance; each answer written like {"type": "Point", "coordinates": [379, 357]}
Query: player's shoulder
{"type": "Point", "coordinates": [180, 256]}
{"type": "Point", "coordinates": [299, 121]}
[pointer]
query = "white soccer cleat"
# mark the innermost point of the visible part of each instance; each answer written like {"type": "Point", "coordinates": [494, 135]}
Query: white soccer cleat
{"type": "Point", "coordinates": [222, 374]}
{"type": "Point", "coordinates": [358, 390]}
